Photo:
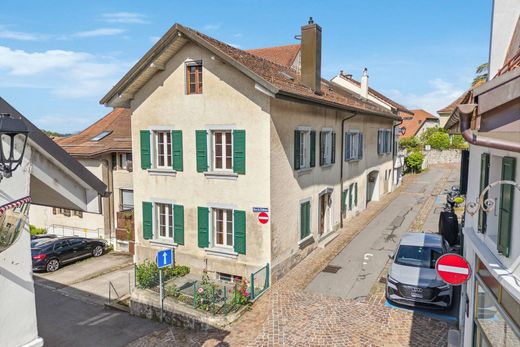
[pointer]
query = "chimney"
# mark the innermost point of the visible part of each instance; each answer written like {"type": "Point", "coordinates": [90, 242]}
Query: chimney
{"type": "Point", "coordinates": [364, 83]}
{"type": "Point", "coordinates": [311, 56]}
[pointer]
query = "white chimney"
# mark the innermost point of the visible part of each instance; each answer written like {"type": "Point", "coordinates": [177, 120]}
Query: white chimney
{"type": "Point", "coordinates": [364, 83]}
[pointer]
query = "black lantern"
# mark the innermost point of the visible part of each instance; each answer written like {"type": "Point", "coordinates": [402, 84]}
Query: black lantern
{"type": "Point", "coordinates": [13, 133]}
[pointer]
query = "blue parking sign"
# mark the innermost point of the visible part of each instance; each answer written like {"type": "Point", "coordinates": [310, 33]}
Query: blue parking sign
{"type": "Point", "coordinates": [164, 258]}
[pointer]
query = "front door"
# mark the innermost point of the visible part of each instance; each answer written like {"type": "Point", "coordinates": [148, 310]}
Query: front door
{"type": "Point", "coordinates": [325, 213]}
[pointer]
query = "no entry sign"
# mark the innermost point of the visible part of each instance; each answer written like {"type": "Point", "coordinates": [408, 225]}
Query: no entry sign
{"type": "Point", "coordinates": [263, 217]}
{"type": "Point", "coordinates": [453, 269]}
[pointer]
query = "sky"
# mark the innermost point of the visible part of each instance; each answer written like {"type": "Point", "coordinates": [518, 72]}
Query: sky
{"type": "Point", "coordinates": [59, 58]}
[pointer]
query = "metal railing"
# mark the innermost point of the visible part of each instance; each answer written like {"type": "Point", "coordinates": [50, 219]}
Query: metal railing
{"type": "Point", "coordinates": [259, 282]}
{"type": "Point", "coordinates": [65, 230]}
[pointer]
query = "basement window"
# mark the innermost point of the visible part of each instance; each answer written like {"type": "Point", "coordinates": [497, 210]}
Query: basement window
{"type": "Point", "coordinates": [101, 135]}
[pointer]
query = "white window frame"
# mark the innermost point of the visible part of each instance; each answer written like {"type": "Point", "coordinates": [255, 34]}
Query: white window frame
{"type": "Point", "coordinates": [225, 134]}
{"type": "Point", "coordinates": [213, 230]}
{"type": "Point", "coordinates": [121, 194]}
{"type": "Point", "coordinates": [305, 147]}
{"type": "Point", "coordinates": [155, 139]}
{"type": "Point", "coordinates": [386, 141]}
{"type": "Point", "coordinates": [157, 229]}
{"type": "Point", "coordinates": [354, 145]}
{"type": "Point", "coordinates": [326, 133]}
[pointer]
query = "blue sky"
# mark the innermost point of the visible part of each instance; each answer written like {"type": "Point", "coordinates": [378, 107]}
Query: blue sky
{"type": "Point", "coordinates": [58, 58]}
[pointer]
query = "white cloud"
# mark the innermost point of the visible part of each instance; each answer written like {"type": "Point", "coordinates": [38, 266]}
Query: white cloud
{"type": "Point", "coordinates": [67, 74]}
{"type": "Point", "coordinates": [211, 27]}
{"type": "Point", "coordinates": [441, 94]}
{"type": "Point", "coordinates": [19, 36]}
{"type": "Point", "coordinates": [99, 32]}
{"type": "Point", "coordinates": [124, 17]}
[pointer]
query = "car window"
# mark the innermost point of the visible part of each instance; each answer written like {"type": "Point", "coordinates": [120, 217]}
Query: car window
{"type": "Point", "coordinates": [61, 244]}
{"type": "Point", "coordinates": [417, 256]}
{"type": "Point", "coordinates": [75, 242]}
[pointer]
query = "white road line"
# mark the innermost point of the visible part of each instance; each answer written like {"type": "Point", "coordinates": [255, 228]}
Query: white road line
{"type": "Point", "coordinates": [457, 270]}
{"type": "Point", "coordinates": [101, 315]}
{"type": "Point", "coordinates": [104, 319]}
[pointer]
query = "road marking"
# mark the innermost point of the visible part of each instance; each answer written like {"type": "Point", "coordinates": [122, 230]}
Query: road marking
{"type": "Point", "coordinates": [101, 315]}
{"type": "Point", "coordinates": [104, 319]}
{"type": "Point", "coordinates": [457, 270]}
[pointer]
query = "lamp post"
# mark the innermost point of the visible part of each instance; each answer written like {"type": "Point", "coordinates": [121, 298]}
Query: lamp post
{"type": "Point", "coordinates": [13, 132]}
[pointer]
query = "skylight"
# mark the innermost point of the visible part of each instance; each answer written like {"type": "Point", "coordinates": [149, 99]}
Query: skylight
{"type": "Point", "coordinates": [100, 136]}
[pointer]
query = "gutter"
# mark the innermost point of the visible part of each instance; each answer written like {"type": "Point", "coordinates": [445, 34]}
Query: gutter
{"type": "Point", "coordinates": [341, 166]}
{"type": "Point", "coordinates": [465, 113]}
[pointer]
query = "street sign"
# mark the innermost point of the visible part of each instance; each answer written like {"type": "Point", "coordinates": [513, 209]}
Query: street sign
{"type": "Point", "coordinates": [164, 258]}
{"type": "Point", "coordinates": [260, 209]}
{"type": "Point", "coordinates": [453, 269]}
{"type": "Point", "coordinates": [263, 217]}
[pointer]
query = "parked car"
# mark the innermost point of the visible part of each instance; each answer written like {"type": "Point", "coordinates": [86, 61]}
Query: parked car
{"type": "Point", "coordinates": [49, 254]}
{"type": "Point", "coordinates": [43, 236]}
{"type": "Point", "coordinates": [412, 278]}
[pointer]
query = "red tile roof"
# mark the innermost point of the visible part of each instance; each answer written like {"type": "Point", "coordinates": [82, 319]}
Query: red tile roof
{"type": "Point", "coordinates": [119, 139]}
{"type": "Point", "coordinates": [281, 55]}
{"type": "Point", "coordinates": [451, 107]}
{"type": "Point", "coordinates": [414, 123]}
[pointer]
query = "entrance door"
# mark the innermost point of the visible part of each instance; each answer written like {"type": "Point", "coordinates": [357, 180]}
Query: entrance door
{"type": "Point", "coordinates": [325, 213]}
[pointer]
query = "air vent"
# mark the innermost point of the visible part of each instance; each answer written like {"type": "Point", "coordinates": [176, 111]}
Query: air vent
{"type": "Point", "coordinates": [331, 269]}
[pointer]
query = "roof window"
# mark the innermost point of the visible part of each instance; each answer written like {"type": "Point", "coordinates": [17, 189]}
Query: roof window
{"type": "Point", "coordinates": [101, 135]}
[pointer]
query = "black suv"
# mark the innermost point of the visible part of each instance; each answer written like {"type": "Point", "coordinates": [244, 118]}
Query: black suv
{"type": "Point", "coordinates": [49, 254]}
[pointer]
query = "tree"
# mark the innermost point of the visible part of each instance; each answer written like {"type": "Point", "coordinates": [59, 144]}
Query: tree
{"type": "Point", "coordinates": [426, 134]}
{"type": "Point", "coordinates": [482, 72]}
{"type": "Point", "coordinates": [439, 140]}
{"type": "Point", "coordinates": [414, 161]}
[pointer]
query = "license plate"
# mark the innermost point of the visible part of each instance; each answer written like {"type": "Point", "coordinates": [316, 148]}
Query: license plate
{"type": "Point", "coordinates": [416, 295]}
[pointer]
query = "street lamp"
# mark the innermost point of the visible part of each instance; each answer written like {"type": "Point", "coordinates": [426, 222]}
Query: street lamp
{"type": "Point", "coordinates": [13, 131]}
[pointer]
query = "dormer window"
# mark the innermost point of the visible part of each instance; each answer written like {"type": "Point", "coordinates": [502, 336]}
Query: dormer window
{"type": "Point", "coordinates": [100, 136]}
{"type": "Point", "coordinates": [194, 77]}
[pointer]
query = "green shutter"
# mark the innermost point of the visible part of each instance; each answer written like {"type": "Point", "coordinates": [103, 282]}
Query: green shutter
{"type": "Point", "coordinates": [355, 194]}
{"type": "Point", "coordinates": [344, 200]}
{"type": "Point", "coordinates": [297, 135]}
{"type": "Point", "coordinates": [484, 181]}
{"type": "Point", "coordinates": [147, 220]}
{"type": "Point", "coordinates": [313, 149]}
{"type": "Point", "coordinates": [333, 151]}
{"type": "Point", "coordinates": [239, 224]}
{"type": "Point", "coordinates": [178, 224]}
{"type": "Point", "coordinates": [203, 230]}
{"type": "Point", "coordinates": [201, 144]}
{"type": "Point", "coordinates": [146, 162]}
{"type": "Point", "coordinates": [305, 216]}
{"type": "Point", "coordinates": [308, 218]}
{"type": "Point", "coordinates": [350, 196]}
{"type": "Point", "coordinates": [322, 148]}
{"type": "Point", "coordinates": [177, 150]}
{"type": "Point", "coordinates": [239, 151]}
{"type": "Point", "coordinates": [505, 217]}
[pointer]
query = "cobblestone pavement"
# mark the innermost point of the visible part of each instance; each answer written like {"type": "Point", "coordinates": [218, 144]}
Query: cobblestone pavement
{"type": "Point", "coordinates": [286, 316]}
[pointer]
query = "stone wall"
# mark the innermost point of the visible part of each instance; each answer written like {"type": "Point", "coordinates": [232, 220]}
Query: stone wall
{"type": "Point", "coordinates": [435, 156]}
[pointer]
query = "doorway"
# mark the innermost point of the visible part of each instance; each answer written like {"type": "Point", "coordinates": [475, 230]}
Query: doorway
{"type": "Point", "coordinates": [372, 186]}
{"type": "Point", "coordinates": [325, 212]}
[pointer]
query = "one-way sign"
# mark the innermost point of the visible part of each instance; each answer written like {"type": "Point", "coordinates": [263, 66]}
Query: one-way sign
{"type": "Point", "coordinates": [164, 258]}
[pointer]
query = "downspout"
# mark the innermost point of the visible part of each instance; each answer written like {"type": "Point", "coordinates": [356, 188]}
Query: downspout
{"type": "Point", "coordinates": [394, 151]}
{"type": "Point", "coordinates": [465, 112]}
{"type": "Point", "coordinates": [341, 166]}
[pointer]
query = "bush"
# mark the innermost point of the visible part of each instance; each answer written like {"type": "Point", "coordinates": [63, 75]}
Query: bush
{"type": "Point", "coordinates": [458, 142]}
{"type": "Point", "coordinates": [426, 134]}
{"type": "Point", "coordinates": [37, 231]}
{"type": "Point", "coordinates": [439, 140]}
{"type": "Point", "coordinates": [147, 273]}
{"type": "Point", "coordinates": [414, 161]}
{"type": "Point", "coordinates": [409, 142]}
{"type": "Point", "coordinates": [240, 294]}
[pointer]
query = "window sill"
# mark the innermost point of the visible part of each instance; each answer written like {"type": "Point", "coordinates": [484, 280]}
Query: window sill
{"type": "Point", "coordinates": [309, 240]}
{"type": "Point", "coordinates": [225, 175]}
{"type": "Point", "coordinates": [222, 252]}
{"type": "Point", "coordinates": [161, 172]}
{"type": "Point", "coordinates": [162, 243]}
{"type": "Point", "coordinates": [305, 171]}
{"type": "Point", "coordinates": [326, 166]}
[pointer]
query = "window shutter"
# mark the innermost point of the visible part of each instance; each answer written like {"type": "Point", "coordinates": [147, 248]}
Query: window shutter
{"type": "Point", "coordinates": [305, 216]}
{"type": "Point", "coordinates": [347, 146]}
{"type": "Point", "coordinates": [177, 150]}
{"type": "Point", "coordinates": [239, 151]}
{"type": "Point", "coordinates": [355, 194]}
{"type": "Point", "coordinates": [297, 153]}
{"type": "Point", "coordinates": [379, 142]}
{"type": "Point", "coordinates": [146, 162]}
{"type": "Point", "coordinates": [147, 220]}
{"type": "Point", "coordinates": [505, 217]}
{"type": "Point", "coordinates": [201, 144]}
{"type": "Point", "coordinates": [350, 193]}
{"type": "Point", "coordinates": [203, 231]}
{"type": "Point", "coordinates": [360, 147]}
{"type": "Point", "coordinates": [333, 149]}
{"type": "Point", "coordinates": [239, 224]}
{"type": "Point", "coordinates": [322, 148]}
{"type": "Point", "coordinates": [178, 224]}
{"type": "Point", "coordinates": [484, 181]}
{"type": "Point", "coordinates": [313, 149]}
{"type": "Point", "coordinates": [344, 200]}
{"type": "Point", "coordinates": [389, 141]}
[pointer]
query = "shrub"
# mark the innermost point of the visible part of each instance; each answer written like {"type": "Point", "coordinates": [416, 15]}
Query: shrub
{"type": "Point", "coordinates": [426, 134]}
{"type": "Point", "coordinates": [458, 142]}
{"type": "Point", "coordinates": [439, 140]}
{"type": "Point", "coordinates": [37, 231]}
{"type": "Point", "coordinates": [409, 142]}
{"type": "Point", "coordinates": [414, 161]}
{"type": "Point", "coordinates": [172, 291]}
{"type": "Point", "coordinates": [147, 273]}
{"type": "Point", "coordinates": [240, 294]}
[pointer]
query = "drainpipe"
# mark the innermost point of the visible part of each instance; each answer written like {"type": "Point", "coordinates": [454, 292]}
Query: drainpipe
{"type": "Point", "coordinates": [341, 166]}
{"type": "Point", "coordinates": [394, 149]}
{"type": "Point", "coordinates": [465, 112]}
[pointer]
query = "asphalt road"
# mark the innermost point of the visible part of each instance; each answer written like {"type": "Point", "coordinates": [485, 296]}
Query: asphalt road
{"type": "Point", "coordinates": [70, 321]}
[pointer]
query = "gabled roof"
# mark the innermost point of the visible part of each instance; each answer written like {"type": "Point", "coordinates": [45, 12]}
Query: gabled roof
{"type": "Point", "coordinates": [414, 124]}
{"type": "Point", "coordinates": [451, 107]}
{"type": "Point", "coordinates": [378, 95]}
{"type": "Point", "coordinates": [281, 55]}
{"type": "Point", "coordinates": [278, 81]}
{"type": "Point", "coordinates": [116, 125]}
{"type": "Point", "coordinates": [453, 120]}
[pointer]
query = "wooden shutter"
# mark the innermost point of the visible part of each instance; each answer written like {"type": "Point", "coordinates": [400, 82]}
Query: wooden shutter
{"type": "Point", "coordinates": [484, 181]}
{"type": "Point", "coordinates": [464, 166]}
{"type": "Point", "coordinates": [239, 151]}
{"type": "Point", "coordinates": [322, 148]}
{"type": "Point", "coordinates": [344, 200]}
{"type": "Point", "coordinates": [203, 227]}
{"type": "Point", "coordinates": [350, 196]}
{"type": "Point", "coordinates": [178, 224]}
{"type": "Point", "coordinates": [305, 216]}
{"type": "Point", "coordinates": [201, 144]}
{"type": "Point", "coordinates": [355, 194]}
{"type": "Point", "coordinates": [297, 153]}
{"type": "Point", "coordinates": [505, 217]}
{"type": "Point", "coordinates": [348, 137]}
{"type": "Point", "coordinates": [147, 220]}
{"type": "Point", "coordinates": [379, 142]}
{"type": "Point", "coordinates": [146, 161]}
{"type": "Point", "coordinates": [313, 148]}
{"type": "Point", "coordinates": [360, 146]}
{"type": "Point", "coordinates": [239, 225]}
{"type": "Point", "coordinates": [333, 149]}
{"type": "Point", "coordinates": [177, 162]}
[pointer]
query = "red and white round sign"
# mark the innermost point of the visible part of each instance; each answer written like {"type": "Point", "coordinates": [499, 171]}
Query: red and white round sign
{"type": "Point", "coordinates": [453, 269]}
{"type": "Point", "coordinates": [263, 217]}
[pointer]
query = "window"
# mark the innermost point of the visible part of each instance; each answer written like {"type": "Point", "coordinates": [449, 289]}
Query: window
{"type": "Point", "coordinates": [222, 150]}
{"type": "Point", "coordinates": [327, 147]}
{"type": "Point", "coordinates": [224, 277]}
{"type": "Point", "coordinates": [164, 221]}
{"type": "Point", "coordinates": [304, 148]}
{"type": "Point", "coordinates": [194, 77]}
{"type": "Point", "coordinates": [163, 149]}
{"type": "Point", "coordinates": [101, 135]}
{"type": "Point", "coordinates": [506, 208]}
{"type": "Point", "coordinates": [305, 217]}
{"type": "Point", "coordinates": [418, 256]}
{"type": "Point", "coordinates": [223, 227]}
{"type": "Point", "coordinates": [78, 214]}
{"type": "Point", "coordinates": [124, 158]}
{"type": "Point", "coordinates": [127, 199]}
{"type": "Point", "coordinates": [384, 141]}
{"type": "Point", "coordinates": [353, 145]}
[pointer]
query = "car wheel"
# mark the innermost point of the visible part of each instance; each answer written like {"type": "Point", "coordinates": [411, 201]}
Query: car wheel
{"type": "Point", "coordinates": [52, 265]}
{"type": "Point", "coordinates": [97, 251]}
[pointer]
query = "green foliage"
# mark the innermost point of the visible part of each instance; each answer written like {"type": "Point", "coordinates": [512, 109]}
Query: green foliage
{"type": "Point", "coordinates": [205, 295]}
{"type": "Point", "coordinates": [409, 143]}
{"type": "Point", "coordinates": [439, 140]}
{"type": "Point", "coordinates": [427, 133]}
{"type": "Point", "coordinates": [482, 73]}
{"type": "Point", "coordinates": [414, 161]}
{"type": "Point", "coordinates": [172, 291]}
{"type": "Point", "coordinates": [54, 133]}
{"type": "Point", "coordinates": [457, 141]}
{"type": "Point", "coordinates": [37, 231]}
{"type": "Point", "coordinates": [147, 273]}
{"type": "Point", "coordinates": [240, 296]}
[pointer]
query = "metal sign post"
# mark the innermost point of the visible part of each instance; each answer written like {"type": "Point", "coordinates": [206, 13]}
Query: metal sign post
{"type": "Point", "coordinates": [161, 293]}
{"type": "Point", "coordinates": [164, 258]}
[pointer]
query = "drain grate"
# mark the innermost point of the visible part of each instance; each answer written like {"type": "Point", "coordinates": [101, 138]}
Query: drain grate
{"type": "Point", "coordinates": [331, 269]}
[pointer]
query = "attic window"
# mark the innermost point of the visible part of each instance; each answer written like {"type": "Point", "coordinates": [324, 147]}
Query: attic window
{"type": "Point", "coordinates": [100, 136]}
{"type": "Point", "coordinates": [194, 77]}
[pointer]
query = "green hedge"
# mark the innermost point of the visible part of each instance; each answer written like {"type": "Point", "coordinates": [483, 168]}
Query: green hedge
{"type": "Point", "coordinates": [37, 231]}
{"type": "Point", "coordinates": [147, 273]}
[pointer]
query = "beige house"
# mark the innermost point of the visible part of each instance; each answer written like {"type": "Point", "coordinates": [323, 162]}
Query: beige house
{"type": "Point", "coordinates": [105, 149]}
{"type": "Point", "coordinates": [220, 134]}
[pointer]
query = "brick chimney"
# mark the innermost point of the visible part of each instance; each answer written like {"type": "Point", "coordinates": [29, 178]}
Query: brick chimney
{"type": "Point", "coordinates": [364, 83]}
{"type": "Point", "coordinates": [311, 56]}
